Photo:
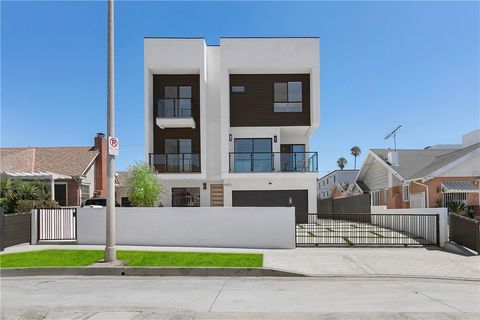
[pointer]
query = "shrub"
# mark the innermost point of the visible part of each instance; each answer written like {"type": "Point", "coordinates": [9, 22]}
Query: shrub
{"type": "Point", "coordinates": [23, 206]}
{"type": "Point", "coordinates": [456, 207]}
{"type": "Point", "coordinates": [145, 189]}
{"type": "Point", "coordinates": [48, 204]}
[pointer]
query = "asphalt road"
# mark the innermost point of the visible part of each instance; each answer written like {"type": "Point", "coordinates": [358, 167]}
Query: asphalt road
{"type": "Point", "coordinates": [139, 298]}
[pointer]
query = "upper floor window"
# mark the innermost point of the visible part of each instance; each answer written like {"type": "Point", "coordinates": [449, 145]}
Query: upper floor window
{"type": "Point", "coordinates": [287, 97]}
{"type": "Point", "coordinates": [238, 88]}
{"type": "Point", "coordinates": [177, 102]}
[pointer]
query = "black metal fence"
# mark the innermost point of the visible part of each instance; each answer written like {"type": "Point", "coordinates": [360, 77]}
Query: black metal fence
{"type": "Point", "coordinates": [57, 224]}
{"type": "Point", "coordinates": [368, 230]}
{"type": "Point", "coordinates": [15, 228]}
{"type": "Point", "coordinates": [464, 231]}
{"type": "Point", "coordinates": [356, 204]}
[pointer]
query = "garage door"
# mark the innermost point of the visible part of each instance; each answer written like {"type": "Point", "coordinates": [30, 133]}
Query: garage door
{"type": "Point", "coordinates": [272, 198]}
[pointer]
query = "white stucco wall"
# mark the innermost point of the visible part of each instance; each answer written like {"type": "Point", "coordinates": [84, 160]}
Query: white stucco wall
{"type": "Point", "coordinates": [266, 228]}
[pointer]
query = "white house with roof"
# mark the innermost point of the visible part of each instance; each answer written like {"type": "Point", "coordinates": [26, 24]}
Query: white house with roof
{"type": "Point", "coordinates": [419, 178]}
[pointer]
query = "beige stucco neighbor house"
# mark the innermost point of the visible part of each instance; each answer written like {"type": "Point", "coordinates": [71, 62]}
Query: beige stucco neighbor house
{"type": "Point", "coordinates": [419, 178]}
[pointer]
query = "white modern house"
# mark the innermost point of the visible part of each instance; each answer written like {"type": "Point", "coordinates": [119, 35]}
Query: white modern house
{"type": "Point", "coordinates": [336, 178]}
{"type": "Point", "coordinates": [230, 125]}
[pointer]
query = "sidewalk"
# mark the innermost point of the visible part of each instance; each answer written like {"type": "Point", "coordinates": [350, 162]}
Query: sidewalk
{"type": "Point", "coordinates": [334, 262]}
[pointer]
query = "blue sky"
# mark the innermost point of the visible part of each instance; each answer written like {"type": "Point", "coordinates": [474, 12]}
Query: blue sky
{"type": "Point", "coordinates": [382, 64]}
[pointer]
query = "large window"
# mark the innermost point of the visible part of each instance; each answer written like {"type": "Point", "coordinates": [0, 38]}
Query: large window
{"type": "Point", "coordinates": [179, 156]}
{"type": "Point", "coordinates": [292, 157]}
{"type": "Point", "coordinates": [288, 97]}
{"type": "Point", "coordinates": [61, 193]}
{"type": "Point", "coordinates": [253, 155]}
{"type": "Point", "coordinates": [185, 197]}
{"type": "Point", "coordinates": [177, 102]}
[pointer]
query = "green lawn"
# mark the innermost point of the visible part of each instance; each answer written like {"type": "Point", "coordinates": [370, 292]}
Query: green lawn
{"type": "Point", "coordinates": [72, 258]}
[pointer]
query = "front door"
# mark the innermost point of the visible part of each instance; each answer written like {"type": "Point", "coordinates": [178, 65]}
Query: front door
{"type": "Point", "coordinates": [216, 195]}
{"type": "Point", "coordinates": [61, 194]}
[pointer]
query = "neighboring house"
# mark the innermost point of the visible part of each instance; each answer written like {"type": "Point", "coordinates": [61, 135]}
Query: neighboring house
{"type": "Point", "coordinates": [338, 179]}
{"type": "Point", "coordinates": [122, 189]}
{"type": "Point", "coordinates": [230, 125]}
{"type": "Point", "coordinates": [75, 174]}
{"type": "Point", "coordinates": [429, 177]}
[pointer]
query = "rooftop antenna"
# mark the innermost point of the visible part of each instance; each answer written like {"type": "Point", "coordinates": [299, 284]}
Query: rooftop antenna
{"type": "Point", "coordinates": [394, 134]}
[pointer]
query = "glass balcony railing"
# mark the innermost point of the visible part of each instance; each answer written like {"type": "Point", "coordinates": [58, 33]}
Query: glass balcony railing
{"type": "Point", "coordinates": [273, 162]}
{"type": "Point", "coordinates": [175, 108]}
{"type": "Point", "coordinates": [175, 162]}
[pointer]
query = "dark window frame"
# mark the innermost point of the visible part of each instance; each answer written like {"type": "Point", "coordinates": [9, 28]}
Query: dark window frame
{"type": "Point", "coordinates": [184, 200]}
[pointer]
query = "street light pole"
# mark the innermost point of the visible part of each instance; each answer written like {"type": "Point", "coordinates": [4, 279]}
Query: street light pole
{"type": "Point", "coordinates": [110, 250]}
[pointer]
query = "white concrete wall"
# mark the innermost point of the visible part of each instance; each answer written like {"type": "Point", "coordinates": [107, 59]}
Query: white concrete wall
{"type": "Point", "coordinates": [266, 228]}
{"type": "Point", "coordinates": [443, 220]}
{"type": "Point", "coordinates": [174, 56]}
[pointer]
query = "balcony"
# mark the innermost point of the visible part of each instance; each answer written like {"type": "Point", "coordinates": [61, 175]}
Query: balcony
{"type": "Point", "coordinates": [175, 113]}
{"type": "Point", "coordinates": [273, 162]}
{"type": "Point", "coordinates": [175, 162]}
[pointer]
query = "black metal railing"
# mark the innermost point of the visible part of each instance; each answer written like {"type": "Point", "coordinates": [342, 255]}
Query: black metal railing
{"type": "Point", "coordinates": [175, 108]}
{"type": "Point", "coordinates": [273, 161]}
{"type": "Point", "coordinates": [367, 230]}
{"type": "Point", "coordinates": [464, 231]}
{"type": "Point", "coordinates": [175, 162]}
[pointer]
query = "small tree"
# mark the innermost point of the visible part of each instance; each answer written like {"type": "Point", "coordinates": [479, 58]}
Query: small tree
{"type": "Point", "coordinates": [341, 162]}
{"type": "Point", "coordinates": [145, 189]}
{"type": "Point", "coordinates": [355, 150]}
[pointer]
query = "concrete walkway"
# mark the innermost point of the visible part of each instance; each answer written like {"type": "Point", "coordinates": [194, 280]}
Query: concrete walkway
{"type": "Point", "coordinates": [334, 262]}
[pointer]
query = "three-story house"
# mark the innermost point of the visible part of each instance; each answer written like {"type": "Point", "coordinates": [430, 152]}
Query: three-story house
{"type": "Point", "coordinates": [230, 125]}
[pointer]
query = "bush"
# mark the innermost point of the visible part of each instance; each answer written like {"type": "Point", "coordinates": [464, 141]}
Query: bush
{"type": "Point", "coordinates": [48, 204]}
{"type": "Point", "coordinates": [456, 207]}
{"type": "Point", "coordinates": [23, 206]}
{"type": "Point", "coordinates": [145, 189]}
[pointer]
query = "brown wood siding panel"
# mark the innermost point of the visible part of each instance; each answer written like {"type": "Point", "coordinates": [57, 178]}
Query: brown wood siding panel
{"type": "Point", "coordinates": [17, 229]}
{"type": "Point", "coordinates": [159, 135]}
{"type": "Point", "coordinates": [216, 195]}
{"type": "Point", "coordinates": [254, 107]}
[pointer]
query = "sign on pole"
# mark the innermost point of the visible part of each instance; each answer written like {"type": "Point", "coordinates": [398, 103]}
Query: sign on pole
{"type": "Point", "coordinates": [113, 146]}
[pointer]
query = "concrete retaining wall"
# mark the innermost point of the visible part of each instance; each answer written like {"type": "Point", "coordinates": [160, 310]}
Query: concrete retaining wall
{"type": "Point", "coordinates": [268, 228]}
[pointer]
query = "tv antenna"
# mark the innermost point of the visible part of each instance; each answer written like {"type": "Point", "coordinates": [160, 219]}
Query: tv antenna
{"type": "Point", "coordinates": [394, 134]}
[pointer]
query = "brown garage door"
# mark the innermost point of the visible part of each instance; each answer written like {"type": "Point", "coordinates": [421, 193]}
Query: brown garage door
{"type": "Point", "coordinates": [273, 198]}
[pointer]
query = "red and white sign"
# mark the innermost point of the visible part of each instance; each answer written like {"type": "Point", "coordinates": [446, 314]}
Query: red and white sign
{"type": "Point", "coordinates": [113, 146]}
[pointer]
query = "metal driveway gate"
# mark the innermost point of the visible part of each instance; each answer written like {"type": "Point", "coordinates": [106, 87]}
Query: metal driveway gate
{"type": "Point", "coordinates": [368, 230]}
{"type": "Point", "coordinates": [57, 224]}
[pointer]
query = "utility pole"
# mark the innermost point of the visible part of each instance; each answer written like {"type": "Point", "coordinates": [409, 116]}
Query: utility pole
{"type": "Point", "coordinates": [110, 250]}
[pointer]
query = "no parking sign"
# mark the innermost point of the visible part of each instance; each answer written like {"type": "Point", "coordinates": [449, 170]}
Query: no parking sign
{"type": "Point", "coordinates": [113, 146]}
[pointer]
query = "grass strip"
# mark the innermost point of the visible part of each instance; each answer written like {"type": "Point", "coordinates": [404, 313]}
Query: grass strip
{"type": "Point", "coordinates": [76, 258]}
{"type": "Point", "coordinates": [350, 243]}
{"type": "Point", "coordinates": [377, 234]}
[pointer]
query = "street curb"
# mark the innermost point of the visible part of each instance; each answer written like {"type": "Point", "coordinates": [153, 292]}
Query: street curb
{"type": "Point", "coordinates": [203, 272]}
{"type": "Point", "coordinates": [147, 271]}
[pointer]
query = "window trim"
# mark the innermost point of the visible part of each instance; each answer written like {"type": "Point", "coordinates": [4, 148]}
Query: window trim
{"type": "Point", "coordinates": [288, 101]}
{"type": "Point", "coordinates": [373, 198]}
{"type": "Point", "coordinates": [66, 191]}
{"type": "Point", "coordinates": [185, 188]}
{"type": "Point", "coordinates": [405, 195]}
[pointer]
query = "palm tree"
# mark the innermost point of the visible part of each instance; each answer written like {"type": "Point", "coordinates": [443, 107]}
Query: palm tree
{"type": "Point", "coordinates": [341, 162]}
{"type": "Point", "coordinates": [355, 150]}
